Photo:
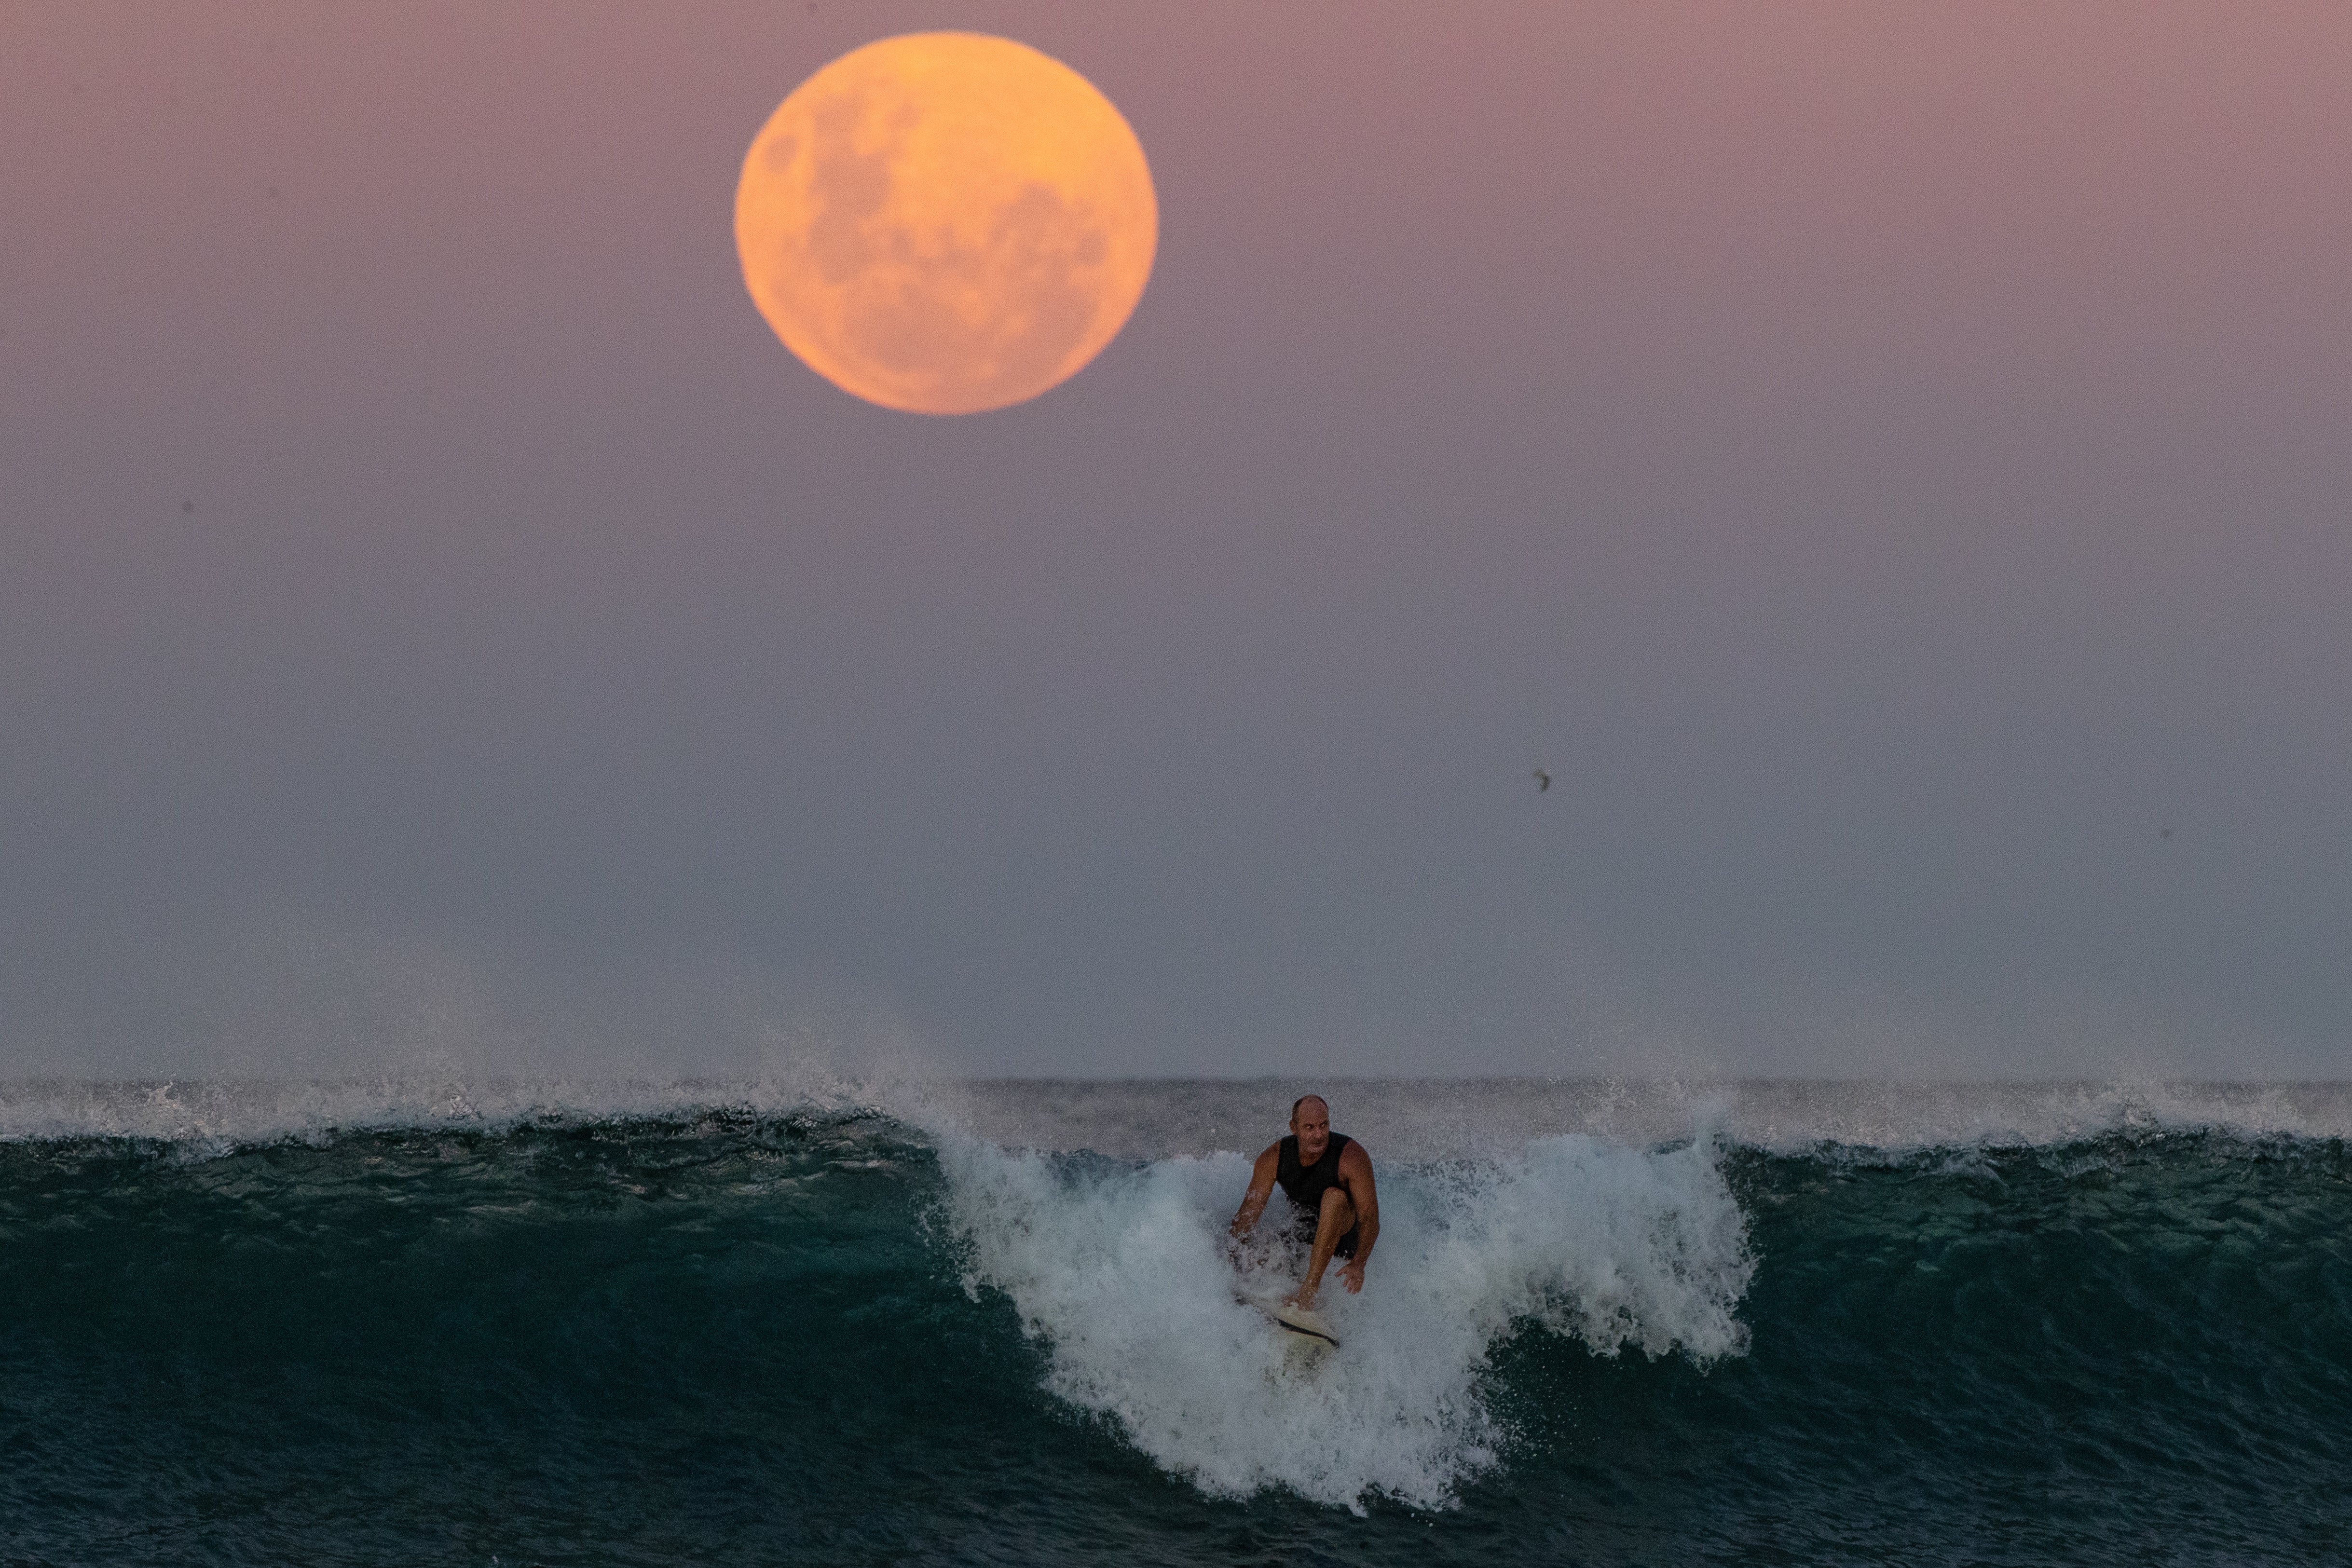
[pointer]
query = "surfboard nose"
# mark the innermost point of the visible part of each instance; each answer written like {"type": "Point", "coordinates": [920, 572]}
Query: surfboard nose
{"type": "Point", "coordinates": [1306, 1321]}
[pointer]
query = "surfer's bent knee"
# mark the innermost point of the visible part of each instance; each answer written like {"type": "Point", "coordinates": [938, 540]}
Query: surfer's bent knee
{"type": "Point", "coordinates": [1336, 1201]}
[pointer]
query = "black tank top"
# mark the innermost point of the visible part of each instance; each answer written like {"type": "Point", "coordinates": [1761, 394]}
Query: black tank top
{"type": "Point", "coordinates": [1305, 1185]}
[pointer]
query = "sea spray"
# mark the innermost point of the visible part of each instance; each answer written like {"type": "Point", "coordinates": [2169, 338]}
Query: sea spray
{"type": "Point", "coordinates": [1120, 1271]}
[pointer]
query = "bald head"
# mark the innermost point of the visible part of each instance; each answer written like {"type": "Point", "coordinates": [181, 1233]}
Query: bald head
{"type": "Point", "coordinates": [1310, 1123]}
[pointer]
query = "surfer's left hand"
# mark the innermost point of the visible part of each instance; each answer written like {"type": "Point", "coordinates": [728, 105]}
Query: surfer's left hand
{"type": "Point", "coordinates": [1353, 1276]}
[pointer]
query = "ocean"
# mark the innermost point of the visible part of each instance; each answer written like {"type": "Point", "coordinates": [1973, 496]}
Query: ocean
{"type": "Point", "coordinates": [824, 1323]}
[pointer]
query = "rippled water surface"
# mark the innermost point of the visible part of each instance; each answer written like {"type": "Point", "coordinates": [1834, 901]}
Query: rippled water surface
{"type": "Point", "coordinates": [993, 1324]}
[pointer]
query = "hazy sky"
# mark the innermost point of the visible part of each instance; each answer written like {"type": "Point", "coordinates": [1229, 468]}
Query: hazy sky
{"type": "Point", "coordinates": [1888, 463]}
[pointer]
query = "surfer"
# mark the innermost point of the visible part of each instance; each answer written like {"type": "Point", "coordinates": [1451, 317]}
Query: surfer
{"type": "Point", "coordinates": [1327, 1178]}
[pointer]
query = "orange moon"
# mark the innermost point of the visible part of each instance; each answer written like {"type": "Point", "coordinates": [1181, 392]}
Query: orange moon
{"type": "Point", "coordinates": [946, 223]}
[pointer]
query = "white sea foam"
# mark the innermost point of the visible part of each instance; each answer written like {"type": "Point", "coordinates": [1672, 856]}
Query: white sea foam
{"type": "Point", "coordinates": [1120, 1271]}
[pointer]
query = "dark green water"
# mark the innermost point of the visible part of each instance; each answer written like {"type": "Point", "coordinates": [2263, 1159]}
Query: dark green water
{"type": "Point", "coordinates": [828, 1338]}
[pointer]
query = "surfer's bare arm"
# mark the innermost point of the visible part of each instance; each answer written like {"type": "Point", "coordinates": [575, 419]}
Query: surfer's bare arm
{"type": "Point", "coordinates": [1356, 1176]}
{"type": "Point", "coordinates": [1261, 1187]}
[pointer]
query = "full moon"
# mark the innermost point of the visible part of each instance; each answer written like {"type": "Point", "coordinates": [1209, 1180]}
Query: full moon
{"type": "Point", "coordinates": [946, 223]}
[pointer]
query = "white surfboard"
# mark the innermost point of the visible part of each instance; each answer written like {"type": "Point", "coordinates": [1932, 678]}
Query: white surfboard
{"type": "Point", "coordinates": [1304, 1322]}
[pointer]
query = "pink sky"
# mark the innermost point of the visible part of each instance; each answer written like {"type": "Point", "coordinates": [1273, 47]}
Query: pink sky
{"type": "Point", "coordinates": [1883, 458]}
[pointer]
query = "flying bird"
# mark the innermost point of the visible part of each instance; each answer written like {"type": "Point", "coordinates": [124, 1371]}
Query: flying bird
{"type": "Point", "coordinates": [1543, 780]}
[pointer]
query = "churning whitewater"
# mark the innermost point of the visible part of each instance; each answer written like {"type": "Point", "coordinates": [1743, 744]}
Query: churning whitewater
{"type": "Point", "coordinates": [1119, 1271]}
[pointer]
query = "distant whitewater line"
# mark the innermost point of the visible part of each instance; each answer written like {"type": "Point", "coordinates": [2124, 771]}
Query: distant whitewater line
{"type": "Point", "coordinates": [1161, 1118]}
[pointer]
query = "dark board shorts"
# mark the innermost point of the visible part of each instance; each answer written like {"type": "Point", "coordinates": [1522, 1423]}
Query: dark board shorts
{"type": "Point", "coordinates": [1305, 1232]}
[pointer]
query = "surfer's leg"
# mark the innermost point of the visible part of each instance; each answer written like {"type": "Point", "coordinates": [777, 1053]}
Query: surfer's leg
{"type": "Point", "coordinates": [1337, 1218]}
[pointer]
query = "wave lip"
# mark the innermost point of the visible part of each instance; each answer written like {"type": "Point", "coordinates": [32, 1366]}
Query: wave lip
{"type": "Point", "coordinates": [1438, 1119]}
{"type": "Point", "coordinates": [1119, 1272]}
{"type": "Point", "coordinates": [1423, 1120]}
{"type": "Point", "coordinates": [216, 1115]}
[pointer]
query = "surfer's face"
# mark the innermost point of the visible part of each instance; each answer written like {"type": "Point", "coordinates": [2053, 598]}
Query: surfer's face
{"type": "Point", "coordinates": [1313, 1125]}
